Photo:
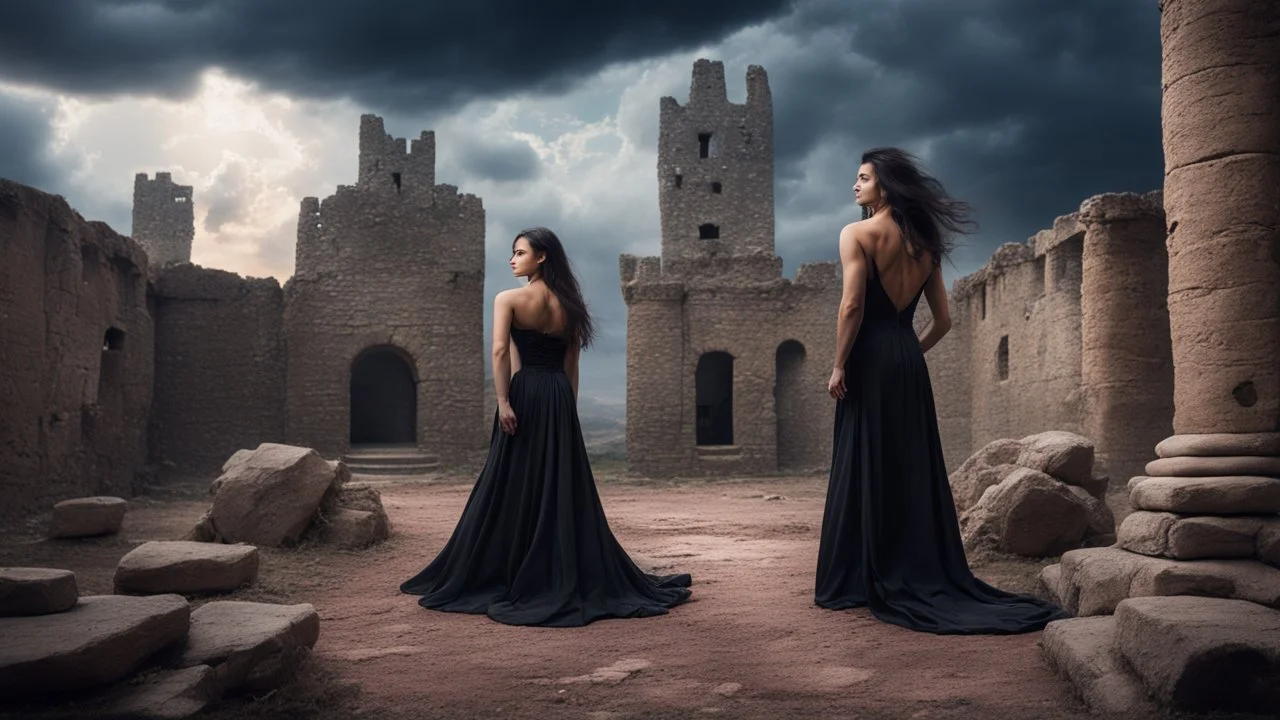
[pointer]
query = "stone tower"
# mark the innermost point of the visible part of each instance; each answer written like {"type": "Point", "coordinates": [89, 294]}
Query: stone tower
{"type": "Point", "coordinates": [163, 219]}
{"type": "Point", "coordinates": [724, 356]}
{"type": "Point", "coordinates": [382, 315]}
{"type": "Point", "coordinates": [715, 168]}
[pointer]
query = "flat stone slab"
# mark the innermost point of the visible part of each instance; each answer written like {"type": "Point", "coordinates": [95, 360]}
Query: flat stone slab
{"type": "Point", "coordinates": [1214, 444]}
{"type": "Point", "coordinates": [36, 591]}
{"type": "Point", "coordinates": [1203, 654]}
{"type": "Point", "coordinates": [87, 517]}
{"type": "Point", "coordinates": [1190, 537]}
{"type": "Point", "coordinates": [104, 638]}
{"type": "Point", "coordinates": [1083, 650]}
{"type": "Point", "coordinates": [1094, 580]}
{"type": "Point", "coordinates": [162, 695]}
{"type": "Point", "coordinates": [1229, 495]}
{"type": "Point", "coordinates": [1220, 465]}
{"type": "Point", "coordinates": [186, 568]}
{"type": "Point", "coordinates": [251, 646]}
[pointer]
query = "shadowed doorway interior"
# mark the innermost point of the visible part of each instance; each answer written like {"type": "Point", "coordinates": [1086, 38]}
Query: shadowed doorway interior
{"type": "Point", "coordinates": [384, 398]}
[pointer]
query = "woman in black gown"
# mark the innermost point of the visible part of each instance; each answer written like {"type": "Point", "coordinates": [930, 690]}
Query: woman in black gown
{"type": "Point", "coordinates": [890, 536]}
{"type": "Point", "coordinates": [532, 546]}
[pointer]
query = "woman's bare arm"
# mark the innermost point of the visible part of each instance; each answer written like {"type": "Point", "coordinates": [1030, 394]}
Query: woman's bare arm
{"type": "Point", "coordinates": [502, 312]}
{"type": "Point", "coordinates": [853, 261]}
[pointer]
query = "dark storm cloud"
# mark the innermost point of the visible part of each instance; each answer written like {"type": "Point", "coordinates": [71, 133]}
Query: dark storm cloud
{"type": "Point", "coordinates": [24, 142]}
{"type": "Point", "coordinates": [389, 54]}
{"type": "Point", "coordinates": [1025, 108]}
{"type": "Point", "coordinates": [500, 161]}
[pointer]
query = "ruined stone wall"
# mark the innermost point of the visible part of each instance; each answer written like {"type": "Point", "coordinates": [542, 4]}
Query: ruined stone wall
{"type": "Point", "coordinates": [163, 219]}
{"type": "Point", "coordinates": [75, 355]}
{"type": "Point", "coordinates": [715, 167]}
{"type": "Point", "coordinates": [1023, 320]}
{"type": "Point", "coordinates": [395, 260]}
{"type": "Point", "coordinates": [219, 377]}
{"type": "Point", "coordinates": [1068, 331]}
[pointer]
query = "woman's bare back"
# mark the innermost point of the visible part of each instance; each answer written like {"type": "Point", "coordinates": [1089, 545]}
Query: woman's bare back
{"type": "Point", "coordinates": [536, 308]}
{"type": "Point", "coordinates": [901, 274]}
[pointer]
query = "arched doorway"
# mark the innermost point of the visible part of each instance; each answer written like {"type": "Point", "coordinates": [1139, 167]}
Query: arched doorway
{"type": "Point", "coordinates": [384, 397]}
{"type": "Point", "coordinates": [714, 391]}
{"type": "Point", "coordinates": [788, 404]}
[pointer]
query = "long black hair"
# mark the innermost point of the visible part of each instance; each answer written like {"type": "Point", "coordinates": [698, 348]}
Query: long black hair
{"type": "Point", "coordinates": [918, 203]}
{"type": "Point", "coordinates": [558, 276]}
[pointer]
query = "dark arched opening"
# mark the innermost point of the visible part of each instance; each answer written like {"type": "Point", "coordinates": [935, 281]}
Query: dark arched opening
{"type": "Point", "coordinates": [788, 403]}
{"type": "Point", "coordinates": [714, 391]}
{"type": "Point", "coordinates": [384, 397]}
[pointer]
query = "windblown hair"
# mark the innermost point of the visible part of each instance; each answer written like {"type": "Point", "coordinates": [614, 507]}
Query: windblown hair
{"type": "Point", "coordinates": [918, 203]}
{"type": "Point", "coordinates": [558, 275]}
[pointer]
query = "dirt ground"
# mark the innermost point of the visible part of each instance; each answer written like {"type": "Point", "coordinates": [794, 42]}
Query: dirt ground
{"type": "Point", "coordinates": [750, 644]}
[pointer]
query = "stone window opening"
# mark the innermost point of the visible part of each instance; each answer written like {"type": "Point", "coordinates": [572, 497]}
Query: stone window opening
{"type": "Point", "coordinates": [113, 339]}
{"type": "Point", "coordinates": [679, 180]}
{"type": "Point", "coordinates": [708, 231]}
{"type": "Point", "coordinates": [714, 392]}
{"type": "Point", "coordinates": [395, 178]}
{"type": "Point", "coordinates": [1002, 358]}
{"type": "Point", "coordinates": [982, 302]}
{"type": "Point", "coordinates": [1038, 277]}
{"type": "Point", "coordinates": [180, 199]}
{"type": "Point", "coordinates": [716, 188]}
{"type": "Point", "coordinates": [704, 145]}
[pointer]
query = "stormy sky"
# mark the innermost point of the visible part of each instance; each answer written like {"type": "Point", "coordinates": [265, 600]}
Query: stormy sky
{"type": "Point", "coordinates": [549, 112]}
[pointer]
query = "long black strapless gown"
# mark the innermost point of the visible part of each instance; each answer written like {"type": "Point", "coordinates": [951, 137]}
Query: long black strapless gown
{"type": "Point", "coordinates": [890, 536]}
{"type": "Point", "coordinates": [532, 546]}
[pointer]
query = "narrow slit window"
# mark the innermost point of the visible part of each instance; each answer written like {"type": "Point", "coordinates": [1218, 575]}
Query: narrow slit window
{"type": "Point", "coordinates": [704, 145]}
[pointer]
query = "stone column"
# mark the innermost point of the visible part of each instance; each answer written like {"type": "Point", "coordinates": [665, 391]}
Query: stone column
{"type": "Point", "coordinates": [1126, 365]}
{"type": "Point", "coordinates": [1215, 490]}
{"type": "Point", "coordinates": [1221, 118]}
{"type": "Point", "coordinates": [1195, 573]}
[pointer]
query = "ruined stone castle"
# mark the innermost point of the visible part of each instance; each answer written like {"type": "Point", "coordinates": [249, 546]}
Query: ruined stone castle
{"type": "Point", "coordinates": [727, 360]}
{"type": "Point", "coordinates": [116, 359]}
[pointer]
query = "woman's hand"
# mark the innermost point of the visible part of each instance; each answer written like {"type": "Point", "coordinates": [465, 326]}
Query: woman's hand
{"type": "Point", "coordinates": [835, 386]}
{"type": "Point", "coordinates": [507, 418]}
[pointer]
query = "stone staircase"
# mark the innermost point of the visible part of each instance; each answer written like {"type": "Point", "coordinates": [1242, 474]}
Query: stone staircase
{"type": "Point", "coordinates": [391, 460]}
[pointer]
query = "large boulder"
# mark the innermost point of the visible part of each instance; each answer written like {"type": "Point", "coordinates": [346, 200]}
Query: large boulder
{"type": "Point", "coordinates": [987, 467]}
{"type": "Point", "coordinates": [268, 496]}
{"type": "Point", "coordinates": [1028, 513]}
{"type": "Point", "coordinates": [1063, 455]}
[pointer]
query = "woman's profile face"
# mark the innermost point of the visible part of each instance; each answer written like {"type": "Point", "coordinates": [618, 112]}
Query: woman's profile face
{"type": "Point", "coordinates": [523, 261]}
{"type": "Point", "coordinates": [866, 191]}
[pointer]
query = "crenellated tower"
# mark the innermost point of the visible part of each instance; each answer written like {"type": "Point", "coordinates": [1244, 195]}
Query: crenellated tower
{"type": "Point", "coordinates": [163, 219]}
{"type": "Point", "coordinates": [715, 168]}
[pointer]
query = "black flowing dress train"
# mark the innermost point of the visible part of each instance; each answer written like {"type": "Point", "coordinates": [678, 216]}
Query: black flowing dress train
{"type": "Point", "coordinates": [890, 536]}
{"type": "Point", "coordinates": [532, 546]}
